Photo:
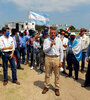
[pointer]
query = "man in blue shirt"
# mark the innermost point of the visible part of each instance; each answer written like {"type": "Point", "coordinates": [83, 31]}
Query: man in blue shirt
{"type": "Point", "coordinates": [23, 40]}
{"type": "Point", "coordinates": [27, 45]}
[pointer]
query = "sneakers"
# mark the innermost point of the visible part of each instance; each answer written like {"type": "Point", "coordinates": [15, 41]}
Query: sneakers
{"type": "Point", "coordinates": [25, 63]}
{"type": "Point", "coordinates": [31, 67]}
{"type": "Point", "coordinates": [57, 93]}
{"type": "Point", "coordinates": [45, 90]}
{"type": "Point", "coordinates": [61, 69]}
{"type": "Point", "coordinates": [38, 67]}
{"type": "Point", "coordinates": [40, 72]}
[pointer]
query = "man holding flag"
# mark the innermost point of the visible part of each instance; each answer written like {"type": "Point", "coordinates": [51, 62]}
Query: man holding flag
{"type": "Point", "coordinates": [74, 54]}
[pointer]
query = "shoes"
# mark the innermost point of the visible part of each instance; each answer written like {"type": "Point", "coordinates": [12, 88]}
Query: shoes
{"type": "Point", "coordinates": [40, 72]}
{"type": "Point", "coordinates": [85, 85]}
{"type": "Point", "coordinates": [67, 68]}
{"type": "Point", "coordinates": [5, 83]}
{"type": "Point", "coordinates": [45, 90]}
{"type": "Point", "coordinates": [82, 71]}
{"type": "Point", "coordinates": [61, 69]}
{"type": "Point", "coordinates": [25, 63]}
{"type": "Point", "coordinates": [69, 76]}
{"type": "Point", "coordinates": [31, 67]}
{"type": "Point", "coordinates": [51, 74]}
{"type": "Point", "coordinates": [57, 93]}
{"type": "Point", "coordinates": [18, 83]}
{"type": "Point", "coordinates": [75, 79]}
{"type": "Point", "coordinates": [64, 72]}
{"type": "Point", "coordinates": [38, 67]}
{"type": "Point", "coordinates": [20, 68]}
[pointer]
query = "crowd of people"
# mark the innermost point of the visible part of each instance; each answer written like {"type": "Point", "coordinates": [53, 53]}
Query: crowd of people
{"type": "Point", "coordinates": [47, 51]}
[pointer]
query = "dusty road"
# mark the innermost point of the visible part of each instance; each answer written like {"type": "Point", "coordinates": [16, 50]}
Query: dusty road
{"type": "Point", "coordinates": [32, 85]}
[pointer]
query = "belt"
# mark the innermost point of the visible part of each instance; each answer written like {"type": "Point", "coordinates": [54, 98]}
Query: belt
{"type": "Point", "coordinates": [7, 52]}
{"type": "Point", "coordinates": [52, 55]}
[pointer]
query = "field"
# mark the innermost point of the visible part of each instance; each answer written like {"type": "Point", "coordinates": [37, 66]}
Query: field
{"type": "Point", "coordinates": [32, 85]}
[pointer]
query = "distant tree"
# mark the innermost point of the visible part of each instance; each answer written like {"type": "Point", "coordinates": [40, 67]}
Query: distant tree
{"type": "Point", "coordinates": [61, 29]}
{"type": "Point", "coordinates": [39, 27]}
{"type": "Point", "coordinates": [73, 28]}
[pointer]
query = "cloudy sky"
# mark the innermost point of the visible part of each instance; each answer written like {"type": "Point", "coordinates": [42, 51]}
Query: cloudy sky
{"type": "Point", "coordinates": [74, 12]}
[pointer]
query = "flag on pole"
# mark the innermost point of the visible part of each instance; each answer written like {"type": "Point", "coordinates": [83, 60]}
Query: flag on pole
{"type": "Point", "coordinates": [38, 19]}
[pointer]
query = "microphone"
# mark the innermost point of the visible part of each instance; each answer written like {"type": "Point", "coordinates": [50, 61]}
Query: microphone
{"type": "Point", "coordinates": [53, 40]}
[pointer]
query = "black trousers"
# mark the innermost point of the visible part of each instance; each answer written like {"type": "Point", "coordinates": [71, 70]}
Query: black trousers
{"type": "Point", "coordinates": [88, 74]}
{"type": "Point", "coordinates": [73, 61]}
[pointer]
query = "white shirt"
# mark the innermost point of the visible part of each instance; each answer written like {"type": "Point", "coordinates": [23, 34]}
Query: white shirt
{"type": "Point", "coordinates": [85, 40]}
{"type": "Point", "coordinates": [55, 50]}
{"type": "Point", "coordinates": [64, 41]}
{"type": "Point", "coordinates": [59, 36]}
{"type": "Point", "coordinates": [6, 42]}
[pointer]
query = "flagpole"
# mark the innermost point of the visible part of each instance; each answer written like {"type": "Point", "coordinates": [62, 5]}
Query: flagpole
{"type": "Point", "coordinates": [28, 17]}
{"type": "Point", "coordinates": [28, 21]}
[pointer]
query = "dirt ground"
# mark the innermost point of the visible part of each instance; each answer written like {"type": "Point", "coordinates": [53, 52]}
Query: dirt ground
{"type": "Point", "coordinates": [32, 85]}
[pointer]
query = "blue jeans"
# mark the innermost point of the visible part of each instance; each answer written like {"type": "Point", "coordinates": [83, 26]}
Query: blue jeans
{"type": "Point", "coordinates": [83, 60]}
{"type": "Point", "coordinates": [22, 53]}
{"type": "Point", "coordinates": [32, 56]}
{"type": "Point", "coordinates": [28, 52]}
{"type": "Point", "coordinates": [16, 52]}
{"type": "Point", "coordinates": [5, 58]}
{"type": "Point", "coordinates": [37, 58]}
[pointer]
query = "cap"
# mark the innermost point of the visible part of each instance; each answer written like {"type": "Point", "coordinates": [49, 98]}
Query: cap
{"type": "Point", "coordinates": [73, 33]}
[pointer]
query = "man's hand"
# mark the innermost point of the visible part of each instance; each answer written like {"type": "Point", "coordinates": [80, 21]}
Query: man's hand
{"type": "Point", "coordinates": [27, 41]}
{"type": "Point", "coordinates": [10, 47]}
{"type": "Point", "coordinates": [53, 43]}
{"type": "Point", "coordinates": [38, 47]}
{"type": "Point", "coordinates": [87, 60]}
{"type": "Point", "coordinates": [62, 38]}
{"type": "Point", "coordinates": [5, 48]}
{"type": "Point", "coordinates": [11, 56]}
{"type": "Point", "coordinates": [64, 45]}
{"type": "Point", "coordinates": [60, 64]}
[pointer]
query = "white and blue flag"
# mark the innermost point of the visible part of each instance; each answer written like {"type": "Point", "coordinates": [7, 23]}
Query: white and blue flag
{"type": "Point", "coordinates": [38, 19]}
{"type": "Point", "coordinates": [77, 49]}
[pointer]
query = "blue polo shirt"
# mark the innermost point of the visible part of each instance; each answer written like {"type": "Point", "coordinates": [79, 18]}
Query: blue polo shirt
{"type": "Point", "coordinates": [23, 41]}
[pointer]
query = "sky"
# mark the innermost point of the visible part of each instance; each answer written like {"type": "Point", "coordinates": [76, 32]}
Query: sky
{"type": "Point", "coordinates": [74, 12]}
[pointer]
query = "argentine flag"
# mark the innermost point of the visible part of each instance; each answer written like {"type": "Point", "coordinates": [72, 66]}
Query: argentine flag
{"type": "Point", "coordinates": [38, 19]}
{"type": "Point", "coordinates": [77, 49]}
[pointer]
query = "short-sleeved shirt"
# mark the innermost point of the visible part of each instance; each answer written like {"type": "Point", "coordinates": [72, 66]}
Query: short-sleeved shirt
{"type": "Point", "coordinates": [23, 41]}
